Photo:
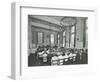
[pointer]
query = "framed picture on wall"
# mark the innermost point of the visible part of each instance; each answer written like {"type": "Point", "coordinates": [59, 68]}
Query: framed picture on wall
{"type": "Point", "coordinates": [51, 41]}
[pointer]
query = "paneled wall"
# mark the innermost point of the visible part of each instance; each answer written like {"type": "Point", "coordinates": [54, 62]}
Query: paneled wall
{"type": "Point", "coordinates": [80, 32]}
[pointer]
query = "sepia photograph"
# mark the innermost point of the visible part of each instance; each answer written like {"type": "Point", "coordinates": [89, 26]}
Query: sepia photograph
{"type": "Point", "coordinates": [57, 40]}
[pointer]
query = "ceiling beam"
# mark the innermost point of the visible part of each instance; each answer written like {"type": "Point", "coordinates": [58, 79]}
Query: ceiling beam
{"type": "Point", "coordinates": [48, 19]}
{"type": "Point", "coordinates": [44, 26]}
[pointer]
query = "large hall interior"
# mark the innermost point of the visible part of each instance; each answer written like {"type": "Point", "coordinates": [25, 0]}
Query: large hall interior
{"type": "Point", "coordinates": [57, 40]}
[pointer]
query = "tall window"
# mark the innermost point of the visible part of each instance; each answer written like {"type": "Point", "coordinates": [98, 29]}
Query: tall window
{"type": "Point", "coordinates": [40, 37]}
{"type": "Point", "coordinates": [52, 39]}
{"type": "Point", "coordinates": [64, 39]}
{"type": "Point", "coordinates": [72, 37]}
{"type": "Point", "coordinates": [58, 39]}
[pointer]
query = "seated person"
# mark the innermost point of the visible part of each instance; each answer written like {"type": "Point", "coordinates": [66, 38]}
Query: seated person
{"type": "Point", "coordinates": [54, 60]}
{"type": "Point", "coordinates": [77, 57]}
{"type": "Point", "coordinates": [70, 55]}
{"type": "Point", "coordinates": [61, 59]}
{"type": "Point", "coordinates": [45, 54]}
{"type": "Point", "coordinates": [45, 57]}
{"type": "Point", "coordinates": [48, 51]}
{"type": "Point", "coordinates": [74, 57]}
{"type": "Point", "coordinates": [59, 53]}
{"type": "Point", "coordinates": [40, 53]}
{"type": "Point", "coordinates": [70, 59]}
{"type": "Point", "coordinates": [66, 56]}
{"type": "Point", "coordinates": [81, 53]}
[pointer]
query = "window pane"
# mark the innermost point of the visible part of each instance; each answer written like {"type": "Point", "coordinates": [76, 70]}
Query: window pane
{"type": "Point", "coordinates": [72, 37]}
{"type": "Point", "coordinates": [52, 39]}
{"type": "Point", "coordinates": [40, 37]}
{"type": "Point", "coordinates": [58, 39]}
{"type": "Point", "coordinates": [73, 29]}
{"type": "Point", "coordinates": [72, 41]}
{"type": "Point", "coordinates": [64, 38]}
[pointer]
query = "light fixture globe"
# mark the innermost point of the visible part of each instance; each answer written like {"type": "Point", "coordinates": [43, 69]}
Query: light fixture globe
{"type": "Point", "coordinates": [67, 22]}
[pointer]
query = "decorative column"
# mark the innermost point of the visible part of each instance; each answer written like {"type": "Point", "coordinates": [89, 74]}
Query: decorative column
{"type": "Point", "coordinates": [61, 39]}
{"type": "Point", "coordinates": [66, 24]}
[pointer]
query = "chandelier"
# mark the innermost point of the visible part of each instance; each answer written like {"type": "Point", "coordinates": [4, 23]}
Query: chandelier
{"type": "Point", "coordinates": [67, 22]}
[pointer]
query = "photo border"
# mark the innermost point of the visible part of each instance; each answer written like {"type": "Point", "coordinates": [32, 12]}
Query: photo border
{"type": "Point", "coordinates": [17, 15]}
